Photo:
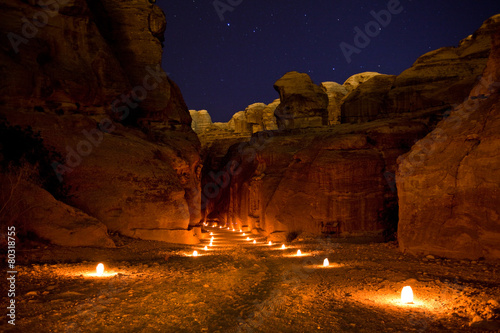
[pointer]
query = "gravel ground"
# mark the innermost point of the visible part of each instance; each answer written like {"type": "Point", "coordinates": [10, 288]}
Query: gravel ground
{"type": "Point", "coordinates": [237, 286]}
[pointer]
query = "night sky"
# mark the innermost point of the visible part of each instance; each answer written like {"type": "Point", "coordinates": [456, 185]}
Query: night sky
{"type": "Point", "coordinates": [223, 66]}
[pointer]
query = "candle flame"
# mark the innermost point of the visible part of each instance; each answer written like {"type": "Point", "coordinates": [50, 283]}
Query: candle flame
{"type": "Point", "coordinates": [270, 243]}
{"type": "Point", "coordinates": [254, 241]}
{"type": "Point", "coordinates": [205, 248]}
{"type": "Point", "coordinates": [326, 263]}
{"type": "Point", "coordinates": [299, 253]}
{"type": "Point", "coordinates": [283, 246]}
{"type": "Point", "coordinates": [195, 253]}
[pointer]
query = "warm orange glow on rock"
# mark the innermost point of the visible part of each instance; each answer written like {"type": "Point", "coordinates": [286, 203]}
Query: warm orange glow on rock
{"type": "Point", "coordinates": [407, 295]}
{"type": "Point", "coordinates": [99, 271]}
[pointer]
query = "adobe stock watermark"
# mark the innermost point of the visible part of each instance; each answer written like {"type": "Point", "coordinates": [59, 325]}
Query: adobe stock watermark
{"type": "Point", "coordinates": [223, 6]}
{"type": "Point", "coordinates": [30, 28]}
{"type": "Point", "coordinates": [121, 106]}
{"type": "Point", "coordinates": [371, 29]}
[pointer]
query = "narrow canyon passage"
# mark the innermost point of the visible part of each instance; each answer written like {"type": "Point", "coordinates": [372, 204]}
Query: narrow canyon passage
{"type": "Point", "coordinates": [238, 286]}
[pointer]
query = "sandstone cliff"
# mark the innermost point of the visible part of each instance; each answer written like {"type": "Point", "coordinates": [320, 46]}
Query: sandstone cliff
{"type": "Point", "coordinates": [295, 178]}
{"type": "Point", "coordinates": [89, 81]}
{"type": "Point", "coordinates": [449, 183]}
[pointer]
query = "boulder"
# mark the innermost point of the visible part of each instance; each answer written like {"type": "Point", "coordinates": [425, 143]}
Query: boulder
{"type": "Point", "coordinates": [449, 183]}
{"type": "Point", "coordinates": [32, 209]}
{"type": "Point", "coordinates": [303, 104]}
{"type": "Point", "coordinates": [336, 93]}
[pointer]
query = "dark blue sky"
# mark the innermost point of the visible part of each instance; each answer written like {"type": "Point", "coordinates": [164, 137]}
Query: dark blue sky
{"type": "Point", "coordinates": [223, 66]}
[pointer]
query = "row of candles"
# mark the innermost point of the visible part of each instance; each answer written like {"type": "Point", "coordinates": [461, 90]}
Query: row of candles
{"type": "Point", "coordinates": [406, 293]}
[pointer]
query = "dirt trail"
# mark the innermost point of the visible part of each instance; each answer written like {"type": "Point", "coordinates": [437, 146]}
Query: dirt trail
{"type": "Point", "coordinates": [238, 286]}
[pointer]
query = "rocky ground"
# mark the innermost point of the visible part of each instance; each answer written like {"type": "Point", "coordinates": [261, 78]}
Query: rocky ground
{"type": "Point", "coordinates": [237, 286]}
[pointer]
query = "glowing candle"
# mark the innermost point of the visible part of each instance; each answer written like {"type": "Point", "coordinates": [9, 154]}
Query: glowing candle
{"type": "Point", "coordinates": [211, 239]}
{"type": "Point", "coordinates": [195, 253]}
{"type": "Point", "coordinates": [241, 230]}
{"type": "Point", "coordinates": [407, 295]}
{"type": "Point", "coordinates": [254, 241]}
{"type": "Point", "coordinates": [211, 233]}
{"type": "Point", "coordinates": [270, 243]}
{"type": "Point", "coordinates": [248, 238]}
{"type": "Point", "coordinates": [205, 248]}
{"type": "Point", "coordinates": [299, 253]}
{"type": "Point", "coordinates": [326, 263]}
{"type": "Point", "coordinates": [283, 246]}
{"type": "Point", "coordinates": [99, 271]}
{"type": "Point", "coordinates": [244, 234]}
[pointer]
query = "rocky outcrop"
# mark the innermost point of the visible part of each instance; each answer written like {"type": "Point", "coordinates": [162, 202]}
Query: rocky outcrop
{"type": "Point", "coordinates": [268, 118]}
{"type": "Point", "coordinates": [89, 81]}
{"type": "Point", "coordinates": [303, 104]}
{"type": "Point", "coordinates": [86, 59]}
{"type": "Point", "coordinates": [254, 115]}
{"type": "Point", "coordinates": [336, 93]}
{"type": "Point", "coordinates": [438, 80]}
{"type": "Point", "coordinates": [354, 81]}
{"type": "Point", "coordinates": [366, 102]}
{"type": "Point", "coordinates": [449, 183]}
{"type": "Point", "coordinates": [27, 206]}
{"type": "Point", "coordinates": [201, 120]}
{"type": "Point", "coordinates": [443, 77]}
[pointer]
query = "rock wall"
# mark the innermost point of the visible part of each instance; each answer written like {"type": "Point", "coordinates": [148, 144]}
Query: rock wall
{"type": "Point", "coordinates": [89, 81]}
{"type": "Point", "coordinates": [294, 182]}
{"type": "Point", "coordinates": [449, 184]}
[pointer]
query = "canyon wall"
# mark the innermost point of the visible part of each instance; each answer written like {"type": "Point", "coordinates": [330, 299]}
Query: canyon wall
{"type": "Point", "coordinates": [306, 174]}
{"type": "Point", "coordinates": [449, 183]}
{"type": "Point", "coordinates": [86, 76]}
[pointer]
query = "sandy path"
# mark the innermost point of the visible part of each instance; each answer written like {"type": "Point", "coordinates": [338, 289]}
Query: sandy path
{"type": "Point", "coordinates": [237, 286]}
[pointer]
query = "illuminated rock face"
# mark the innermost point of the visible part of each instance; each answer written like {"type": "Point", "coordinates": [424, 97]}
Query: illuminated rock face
{"type": "Point", "coordinates": [141, 180]}
{"type": "Point", "coordinates": [449, 184]}
{"type": "Point", "coordinates": [303, 104]}
{"type": "Point", "coordinates": [293, 182]}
